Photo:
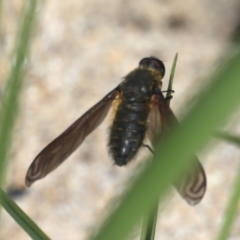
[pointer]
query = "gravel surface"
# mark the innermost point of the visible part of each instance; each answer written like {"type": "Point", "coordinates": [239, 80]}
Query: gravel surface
{"type": "Point", "coordinates": [80, 52]}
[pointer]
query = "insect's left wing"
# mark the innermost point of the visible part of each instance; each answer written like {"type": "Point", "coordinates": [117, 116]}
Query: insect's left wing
{"type": "Point", "coordinates": [192, 184]}
{"type": "Point", "coordinates": [64, 145]}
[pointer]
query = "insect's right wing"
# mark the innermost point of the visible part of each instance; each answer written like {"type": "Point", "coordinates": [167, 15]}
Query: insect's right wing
{"type": "Point", "coordinates": [192, 184]}
{"type": "Point", "coordinates": [64, 145]}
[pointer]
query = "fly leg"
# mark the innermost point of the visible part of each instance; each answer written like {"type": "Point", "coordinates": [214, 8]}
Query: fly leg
{"type": "Point", "coordinates": [148, 147]}
{"type": "Point", "coordinates": [172, 91]}
{"type": "Point", "coordinates": [169, 97]}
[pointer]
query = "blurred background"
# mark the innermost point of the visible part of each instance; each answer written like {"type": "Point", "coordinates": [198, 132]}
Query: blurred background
{"type": "Point", "coordinates": [80, 52]}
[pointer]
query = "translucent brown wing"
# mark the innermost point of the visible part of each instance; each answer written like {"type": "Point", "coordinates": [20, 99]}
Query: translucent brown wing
{"type": "Point", "coordinates": [192, 185]}
{"type": "Point", "coordinates": [64, 145]}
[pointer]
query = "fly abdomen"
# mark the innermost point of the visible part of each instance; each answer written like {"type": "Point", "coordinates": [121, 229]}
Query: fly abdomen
{"type": "Point", "coordinates": [128, 131]}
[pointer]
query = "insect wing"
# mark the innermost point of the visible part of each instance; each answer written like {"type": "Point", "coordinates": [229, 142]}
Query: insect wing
{"type": "Point", "coordinates": [192, 184]}
{"type": "Point", "coordinates": [65, 144]}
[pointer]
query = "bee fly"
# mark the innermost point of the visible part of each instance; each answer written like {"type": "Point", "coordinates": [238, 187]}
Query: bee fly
{"type": "Point", "coordinates": [141, 111]}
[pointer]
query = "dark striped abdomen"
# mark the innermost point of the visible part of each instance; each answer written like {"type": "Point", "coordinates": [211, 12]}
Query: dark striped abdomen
{"type": "Point", "coordinates": [128, 131]}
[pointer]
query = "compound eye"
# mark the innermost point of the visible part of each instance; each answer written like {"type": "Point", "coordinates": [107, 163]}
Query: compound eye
{"type": "Point", "coordinates": [144, 62]}
{"type": "Point", "coordinates": [154, 63]}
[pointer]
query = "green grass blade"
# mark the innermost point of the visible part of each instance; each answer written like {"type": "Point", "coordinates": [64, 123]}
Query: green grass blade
{"type": "Point", "coordinates": [149, 223]}
{"type": "Point", "coordinates": [9, 107]}
{"type": "Point", "coordinates": [193, 134]}
{"type": "Point", "coordinates": [150, 219]}
{"type": "Point", "coordinates": [14, 82]}
{"type": "Point", "coordinates": [232, 210]}
{"type": "Point", "coordinates": [21, 218]}
{"type": "Point", "coordinates": [234, 200]}
{"type": "Point", "coordinates": [170, 83]}
{"type": "Point", "coordinates": [1, 10]}
{"type": "Point", "coordinates": [228, 137]}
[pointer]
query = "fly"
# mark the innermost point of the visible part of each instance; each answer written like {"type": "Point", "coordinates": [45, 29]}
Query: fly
{"type": "Point", "coordinates": [141, 111]}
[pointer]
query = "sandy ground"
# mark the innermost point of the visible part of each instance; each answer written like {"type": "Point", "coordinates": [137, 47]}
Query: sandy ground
{"type": "Point", "coordinates": [80, 52]}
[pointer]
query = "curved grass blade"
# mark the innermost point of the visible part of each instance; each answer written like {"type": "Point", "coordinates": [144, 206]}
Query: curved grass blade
{"type": "Point", "coordinates": [14, 82]}
{"type": "Point", "coordinates": [232, 210]}
{"type": "Point", "coordinates": [9, 107]}
{"type": "Point", "coordinates": [193, 134]}
{"type": "Point", "coordinates": [21, 218]}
